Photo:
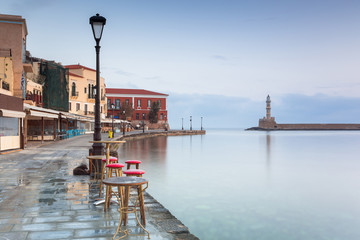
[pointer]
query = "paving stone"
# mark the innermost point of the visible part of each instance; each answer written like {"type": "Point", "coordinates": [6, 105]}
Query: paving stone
{"type": "Point", "coordinates": [34, 227]}
{"type": "Point", "coordinates": [50, 235]}
{"type": "Point", "coordinates": [13, 235]}
{"type": "Point", "coordinates": [51, 219]}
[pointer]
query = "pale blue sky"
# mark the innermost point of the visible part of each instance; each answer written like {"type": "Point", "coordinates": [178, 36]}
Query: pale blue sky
{"type": "Point", "coordinates": [209, 54]}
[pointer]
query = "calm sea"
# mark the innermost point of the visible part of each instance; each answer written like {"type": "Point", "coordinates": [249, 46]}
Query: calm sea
{"type": "Point", "coordinates": [235, 184]}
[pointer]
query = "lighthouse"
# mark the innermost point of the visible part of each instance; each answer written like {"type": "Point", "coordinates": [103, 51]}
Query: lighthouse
{"type": "Point", "coordinates": [268, 108]}
{"type": "Point", "coordinates": [268, 122]}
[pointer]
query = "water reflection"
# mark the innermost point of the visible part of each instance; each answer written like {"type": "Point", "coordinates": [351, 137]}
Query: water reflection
{"type": "Point", "coordinates": [268, 153]}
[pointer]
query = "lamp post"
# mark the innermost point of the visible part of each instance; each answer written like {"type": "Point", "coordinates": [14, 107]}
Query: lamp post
{"type": "Point", "coordinates": [190, 123]}
{"type": "Point", "coordinates": [97, 24]}
{"type": "Point", "coordinates": [124, 123]}
{"type": "Point", "coordinates": [182, 124]}
{"type": "Point", "coordinates": [112, 108]}
{"type": "Point", "coordinates": [201, 123]}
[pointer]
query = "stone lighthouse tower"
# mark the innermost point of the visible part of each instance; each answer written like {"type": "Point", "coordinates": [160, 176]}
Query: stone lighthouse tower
{"type": "Point", "coordinates": [267, 122]}
{"type": "Point", "coordinates": [268, 108]}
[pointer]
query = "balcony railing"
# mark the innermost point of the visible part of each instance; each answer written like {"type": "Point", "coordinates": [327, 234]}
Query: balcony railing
{"type": "Point", "coordinates": [74, 94]}
{"type": "Point", "coordinates": [5, 52]}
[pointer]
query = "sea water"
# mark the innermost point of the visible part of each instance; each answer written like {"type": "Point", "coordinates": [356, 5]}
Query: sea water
{"type": "Point", "coordinates": [236, 184]}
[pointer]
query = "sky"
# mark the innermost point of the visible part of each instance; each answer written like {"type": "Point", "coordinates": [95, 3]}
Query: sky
{"type": "Point", "coordinates": [217, 59]}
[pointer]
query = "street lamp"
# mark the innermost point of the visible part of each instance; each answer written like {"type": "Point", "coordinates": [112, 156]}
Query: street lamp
{"type": "Point", "coordinates": [97, 24]}
{"type": "Point", "coordinates": [201, 123]}
{"type": "Point", "coordinates": [124, 123]}
{"type": "Point", "coordinates": [190, 123]}
{"type": "Point", "coordinates": [182, 124]}
{"type": "Point", "coordinates": [112, 108]}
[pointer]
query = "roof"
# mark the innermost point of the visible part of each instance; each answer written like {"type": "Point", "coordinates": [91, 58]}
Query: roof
{"type": "Point", "coordinates": [75, 75]}
{"type": "Point", "coordinates": [78, 66]}
{"type": "Point", "coordinates": [132, 91]}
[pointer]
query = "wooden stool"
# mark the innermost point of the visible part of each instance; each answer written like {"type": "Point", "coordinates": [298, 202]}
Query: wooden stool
{"type": "Point", "coordinates": [111, 159]}
{"type": "Point", "coordinates": [117, 169]}
{"type": "Point", "coordinates": [132, 162]}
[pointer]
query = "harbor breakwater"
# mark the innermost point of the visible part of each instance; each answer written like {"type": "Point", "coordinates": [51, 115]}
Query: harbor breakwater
{"type": "Point", "coordinates": [135, 136]}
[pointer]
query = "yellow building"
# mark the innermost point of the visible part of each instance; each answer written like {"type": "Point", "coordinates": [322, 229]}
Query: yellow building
{"type": "Point", "coordinates": [82, 84]}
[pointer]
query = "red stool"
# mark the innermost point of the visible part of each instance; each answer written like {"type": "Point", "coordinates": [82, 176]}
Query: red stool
{"type": "Point", "coordinates": [111, 159]}
{"type": "Point", "coordinates": [134, 172]}
{"type": "Point", "coordinates": [132, 162]}
{"type": "Point", "coordinates": [117, 168]}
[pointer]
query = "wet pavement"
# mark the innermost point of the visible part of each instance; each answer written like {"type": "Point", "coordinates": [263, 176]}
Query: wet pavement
{"type": "Point", "coordinates": [41, 199]}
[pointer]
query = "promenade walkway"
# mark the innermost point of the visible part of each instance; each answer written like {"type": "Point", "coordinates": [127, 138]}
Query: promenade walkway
{"type": "Point", "coordinates": [41, 199]}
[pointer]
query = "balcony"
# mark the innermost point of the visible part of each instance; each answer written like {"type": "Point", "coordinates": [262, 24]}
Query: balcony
{"type": "Point", "coordinates": [5, 85]}
{"type": "Point", "coordinates": [74, 95]}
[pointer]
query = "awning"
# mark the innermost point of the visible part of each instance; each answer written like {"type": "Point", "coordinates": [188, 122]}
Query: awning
{"type": "Point", "coordinates": [42, 114]}
{"type": "Point", "coordinates": [10, 113]}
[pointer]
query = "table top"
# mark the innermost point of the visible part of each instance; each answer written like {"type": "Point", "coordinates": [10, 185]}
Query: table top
{"type": "Point", "coordinates": [125, 181]}
{"type": "Point", "coordinates": [96, 157]}
{"type": "Point", "coordinates": [106, 141]}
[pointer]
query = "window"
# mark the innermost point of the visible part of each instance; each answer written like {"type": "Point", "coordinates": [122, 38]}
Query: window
{"type": "Point", "coordinates": [109, 104]}
{"type": "Point", "coordinates": [149, 103]}
{"type": "Point", "coordinates": [100, 109]}
{"type": "Point", "coordinates": [127, 101]}
{"type": "Point", "coordinates": [161, 116]}
{"type": "Point", "coordinates": [85, 90]}
{"type": "Point", "coordinates": [117, 104]}
{"type": "Point", "coordinates": [137, 116]}
{"type": "Point", "coordinates": [78, 107]}
{"type": "Point", "coordinates": [86, 109]}
{"type": "Point", "coordinates": [73, 89]}
{"type": "Point", "coordinates": [70, 106]}
{"type": "Point", "coordinates": [139, 103]}
{"type": "Point", "coordinates": [159, 103]}
{"type": "Point", "coordinates": [89, 93]}
{"type": "Point", "coordinates": [144, 116]}
{"type": "Point", "coordinates": [9, 126]}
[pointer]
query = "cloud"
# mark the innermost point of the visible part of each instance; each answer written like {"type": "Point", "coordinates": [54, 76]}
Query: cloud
{"type": "Point", "coordinates": [219, 57]}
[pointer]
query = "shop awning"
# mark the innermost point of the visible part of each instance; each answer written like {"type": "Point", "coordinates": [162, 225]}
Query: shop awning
{"type": "Point", "coordinates": [42, 114]}
{"type": "Point", "coordinates": [10, 113]}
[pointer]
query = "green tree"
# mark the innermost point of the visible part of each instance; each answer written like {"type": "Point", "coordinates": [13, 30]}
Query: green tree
{"type": "Point", "coordinates": [153, 114]}
{"type": "Point", "coordinates": [126, 111]}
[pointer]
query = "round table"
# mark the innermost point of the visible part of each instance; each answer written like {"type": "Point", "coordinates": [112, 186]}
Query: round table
{"type": "Point", "coordinates": [124, 209]}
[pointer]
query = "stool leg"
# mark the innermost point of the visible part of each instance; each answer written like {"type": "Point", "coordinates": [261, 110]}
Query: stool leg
{"type": "Point", "coordinates": [102, 177]}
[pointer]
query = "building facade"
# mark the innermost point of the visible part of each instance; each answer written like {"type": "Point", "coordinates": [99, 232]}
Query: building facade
{"type": "Point", "coordinates": [139, 100]}
{"type": "Point", "coordinates": [13, 67]}
{"type": "Point", "coordinates": [82, 84]}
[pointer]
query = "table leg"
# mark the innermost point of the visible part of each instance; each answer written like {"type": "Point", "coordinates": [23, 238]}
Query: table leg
{"type": "Point", "coordinates": [126, 204]}
{"type": "Point", "coordinates": [141, 202]}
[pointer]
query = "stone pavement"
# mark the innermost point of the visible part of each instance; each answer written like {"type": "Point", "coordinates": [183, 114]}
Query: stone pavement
{"type": "Point", "coordinates": [41, 199]}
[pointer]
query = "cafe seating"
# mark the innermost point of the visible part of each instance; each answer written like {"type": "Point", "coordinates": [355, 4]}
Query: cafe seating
{"type": "Point", "coordinates": [132, 162]}
{"type": "Point", "coordinates": [111, 160]}
{"type": "Point", "coordinates": [134, 172]}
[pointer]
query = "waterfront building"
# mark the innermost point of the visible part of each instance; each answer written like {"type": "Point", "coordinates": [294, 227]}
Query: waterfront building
{"type": "Point", "coordinates": [140, 101]}
{"type": "Point", "coordinates": [13, 67]}
{"type": "Point", "coordinates": [82, 81]}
